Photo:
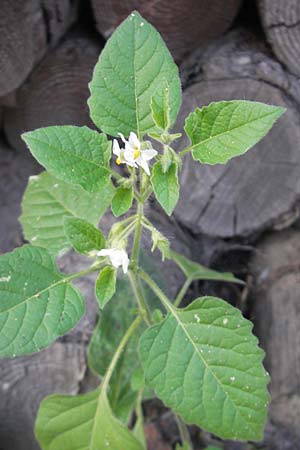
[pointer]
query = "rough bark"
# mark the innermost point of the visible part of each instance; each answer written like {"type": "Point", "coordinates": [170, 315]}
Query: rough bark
{"type": "Point", "coordinates": [57, 90]}
{"type": "Point", "coordinates": [183, 25]}
{"type": "Point", "coordinates": [27, 29]}
{"type": "Point", "coordinates": [276, 313]}
{"type": "Point", "coordinates": [261, 188]}
{"type": "Point", "coordinates": [15, 168]}
{"type": "Point", "coordinates": [26, 381]}
{"type": "Point", "coordinates": [281, 22]}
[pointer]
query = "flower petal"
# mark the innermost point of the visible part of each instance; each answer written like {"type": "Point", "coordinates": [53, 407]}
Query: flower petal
{"type": "Point", "coordinates": [122, 137]}
{"type": "Point", "coordinates": [105, 252]}
{"type": "Point", "coordinates": [116, 148]}
{"type": "Point", "coordinates": [143, 163]}
{"type": "Point", "coordinates": [129, 155]}
{"type": "Point", "coordinates": [149, 154]}
{"type": "Point", "coordinates": [133, 140]}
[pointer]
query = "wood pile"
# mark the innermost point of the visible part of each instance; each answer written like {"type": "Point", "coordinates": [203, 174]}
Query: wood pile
{"type": "Point", "coordinates": [242, 217]}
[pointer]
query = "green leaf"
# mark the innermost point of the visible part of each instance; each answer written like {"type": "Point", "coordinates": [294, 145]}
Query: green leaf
{"type": "Point", "coordinates": [82, 422]}
{"type": "Point", "coordinates": [83, 236]}
{"type": "Point", "coordinates": [166, 186]}
{"type": "Point", "coordinates": [105, 285]}
{"type": "Point", "coordinates": [37, 303]}
{"type": "Point", "coordinates": [77, 155]}
{"type": "Point", "coordinates": [222, 130]}
{"type": "Point", "coordinates": [196, 271]}
{"type": "Point", "coordinates": [113, 323]}
{"type": "Point", "coordinates": [131, 69]}
{"type": "Point", "coordinates": [204, 363]}
{"type": "Point", "coordinates": [114, 320]}
{"type": "Point", "coordinates": [47, 201]}
{"type": "Point", "coordinates": [122, 200]}
{"type": "Point", "coordinates": [183, 447]}
{"type": "Point", "coordinates": [138, 429]}
{"type": "Point", "coordinates": [160, 107]}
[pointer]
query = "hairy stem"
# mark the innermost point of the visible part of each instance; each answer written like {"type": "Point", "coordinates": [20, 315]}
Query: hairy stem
{"type": "Point", "coordinates": [137, 321]}
{"type": "Point", "coordinates": [182, 292]}
{"type": "Point", "coordinates": [137, 291]}
{"type": "Point", "coordinates": [156, 289]}
{"type": "Point", "coordinates": [185, 151]}
{"type": "Point", "coordinates": [184, 432]}
{"type": "Point", "coordinates": [137, 236]}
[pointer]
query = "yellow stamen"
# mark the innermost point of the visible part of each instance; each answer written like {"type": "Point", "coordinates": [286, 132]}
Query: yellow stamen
{"type": "Point", "coordinates": [118, 161]}
{"type": "Point", "coordinates": [136, 153]}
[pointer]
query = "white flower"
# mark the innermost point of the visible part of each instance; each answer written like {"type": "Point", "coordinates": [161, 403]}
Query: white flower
{"type": "Point", "coordinates": [117, 257]}
{"type": "Point", "coordinates": [133, 154]}
{"type": "Point", "coordinates": [120, 154]}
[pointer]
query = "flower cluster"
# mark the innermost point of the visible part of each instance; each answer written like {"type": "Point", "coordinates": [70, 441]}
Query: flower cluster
{"type": "Point", "coordinates": [133, 155]}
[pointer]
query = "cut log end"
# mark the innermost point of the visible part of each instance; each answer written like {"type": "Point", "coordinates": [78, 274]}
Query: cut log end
{"type": "Point", "coordinates": [56, 93]}
{"type": "Point", "coordinates": [27, 29]}
{"type": "Point", "coordinates": [275, 302]}
{"type": "Point", "coordinates": [183, 25]}
{"type": "Point", "coordinates": [256, 190]}
{"type": "Point", "coordinates": [281, 21]}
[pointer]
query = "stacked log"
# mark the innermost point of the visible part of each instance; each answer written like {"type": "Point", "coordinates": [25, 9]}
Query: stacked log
{"type": "Point", "coordinates": [27, 30]}
{"type": "Point", "coordinates": [224, 211]}
{"type": "Point", "coordinates": [281, 22]}
{"type": "Point", "coordinates": [259, 189]}
{"type": "Point", "coordinates": [275, 295]}
{"type": "Point", "coordinates": [57, 90]}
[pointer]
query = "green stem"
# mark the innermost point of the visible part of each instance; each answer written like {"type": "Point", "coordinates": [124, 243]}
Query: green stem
{"type": "Point", "coordinates": [128, 230]}
{"type": "Point", "coordinates": [137, 291]}
{"type": "Point", "coordinates": [116, 175]}
{"type": "Point", "coordinates": [182, 292]}
{"type": "Point", "coordinates": [147, 192]}
{"type": "Point", "coordinates": [137, 236]}
{"type": "Point", "coordinates": [185, 151]}
{"type": "Point", "coordinates": [119, 351]}
{"type": "Point", "coordinates": [184, 432]}
{"type": "Point", "coordinates": [156, 289]}
{"type": "Point", "coordinates": [93, 268]}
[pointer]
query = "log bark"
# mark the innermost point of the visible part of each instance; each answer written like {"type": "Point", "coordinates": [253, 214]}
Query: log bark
{"type": "Point", "coordinates": [57, 90]}
{"type": "Point", "coordinates": [15, 168]}
{"type": "Point", "coordinates": [183, 25]}
{"type": "Point", "coordinates": [27, 29]}
{"type": "Point", "coordinates": [276, 313]}
{"type": "Point", "coordinates": [26, 381]}
{"type": "Point", "coordinates": [259, 189]}
{"type": "Point", "coordinates": [281, 22]}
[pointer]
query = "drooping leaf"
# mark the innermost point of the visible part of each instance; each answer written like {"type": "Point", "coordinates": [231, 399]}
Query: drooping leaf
{"type": "Point", "coordinates": [185, 446]}
{"type": "Point", "coordinates": [77, 155]}
{"type": "Point", "coordinates": [131, 69]}
{"type": "Point", "coordinates": [166, 186]}
{"type": "Point", "coordinates": [37, 305]}
{"type": "Point", "coordinates": [83, 236]}
{"type": "Point", "coordinates": [160, 107]}
{"type": "Point", "coordinates": [212, 447]}
{"type": "Point", "coordinates": [223, 130]}
{"type": "Point", "coordinates": [82, 422]}
{"type": "Point", "coordinates": [122, 200]}
{"type": "Point", "coordinates": [47, 201]}
{"type": "Point", "coordinates": [113, 322]}
{"type": "Point", "coordinates": [196, 271]}
{"type": "Point", "coordinates": [138, 429]}
{"type": "Point", "coordinates": [204, 363]}
{"type": "Point", "coordinates": [105, 285]}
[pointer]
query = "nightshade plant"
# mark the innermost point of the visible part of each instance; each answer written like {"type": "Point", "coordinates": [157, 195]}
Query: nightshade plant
{"type": "Point", "coordinates": [202, 360]}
